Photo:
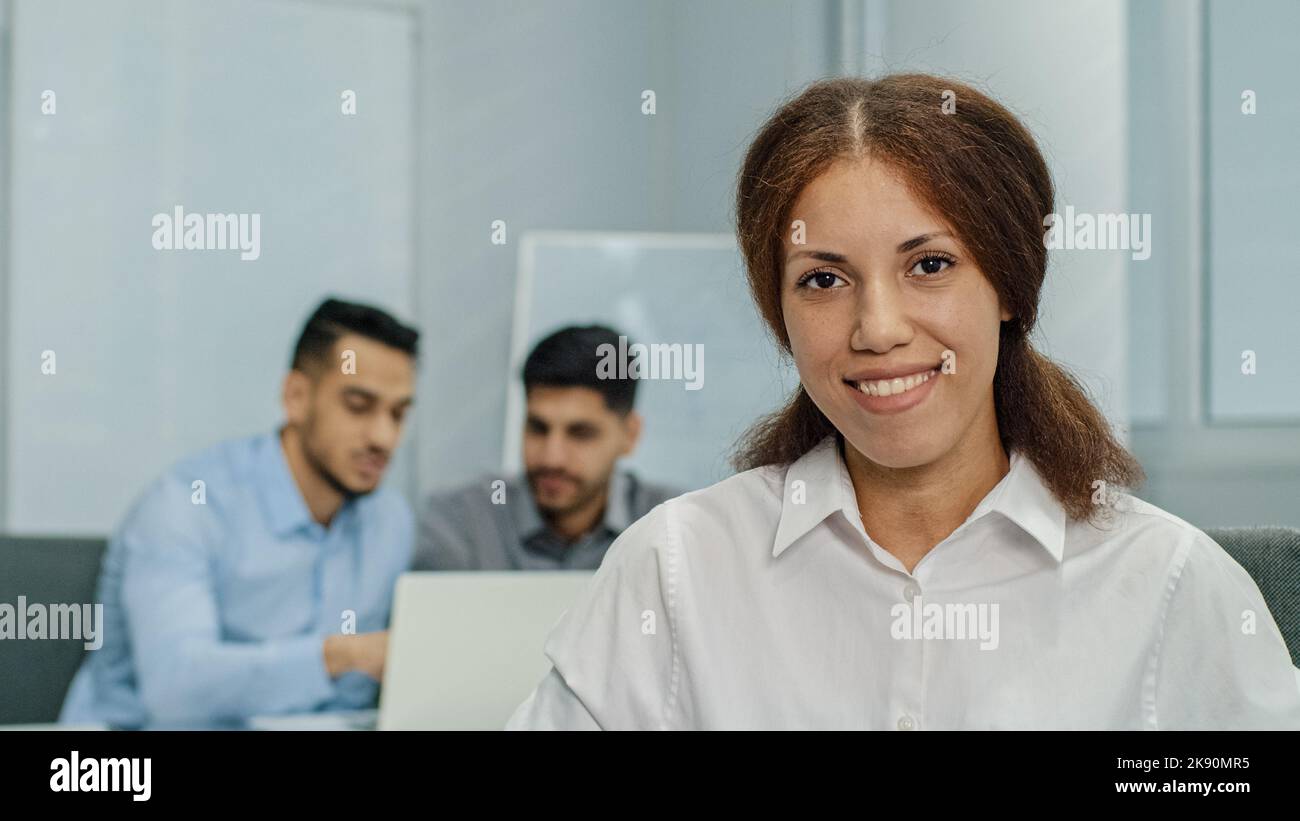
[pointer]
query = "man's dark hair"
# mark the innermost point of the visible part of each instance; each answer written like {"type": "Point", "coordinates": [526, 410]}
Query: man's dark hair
{"type": "Point", "coordinates": [334, 318]}
{"type": "Point", "coordinates": [570, 357]}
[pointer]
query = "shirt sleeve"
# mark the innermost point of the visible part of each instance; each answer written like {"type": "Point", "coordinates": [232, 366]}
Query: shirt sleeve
{"type": "Point", "coordinates": [404, 529]}
{"type": "Point", "coordinates": [404, 554]}
{"type": "Point", "coordinates": [184, 671]}
{"type": "Point", "coordinates": [553, 706]}
{"type": "Point", "coordinates": [614, 659]}
{"type": "Point", "coordinates": [1222, 663]}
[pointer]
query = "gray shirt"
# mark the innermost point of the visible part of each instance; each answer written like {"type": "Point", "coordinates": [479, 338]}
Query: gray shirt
{"type": "Point", "coordinates": [478, 527]}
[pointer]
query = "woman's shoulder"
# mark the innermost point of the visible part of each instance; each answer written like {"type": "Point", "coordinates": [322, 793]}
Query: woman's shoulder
{"type": "Point", "coordinates": [741, 507]}
{"type": "Point", "coordinates": [1139, 514]}
{"type": "Point", "coordinates": [755, 490]}
{"type": "Point", "coordinates": [1150, 532]}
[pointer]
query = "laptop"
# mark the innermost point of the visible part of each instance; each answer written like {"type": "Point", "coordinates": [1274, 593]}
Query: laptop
{"type": "Point", "coordinates": [466, 649]}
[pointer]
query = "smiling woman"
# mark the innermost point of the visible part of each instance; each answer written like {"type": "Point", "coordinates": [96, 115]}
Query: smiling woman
{"type": "Point", "coordinates": [935, 215]}
{"type": "Point", "coordinates": [932, 533]}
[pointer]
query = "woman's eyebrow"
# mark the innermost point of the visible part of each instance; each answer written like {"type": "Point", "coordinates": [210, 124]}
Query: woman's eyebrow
{"type": "Point", "coordinates": [824, 256]}
{"type": "Point", "coordinates": [903, 248]}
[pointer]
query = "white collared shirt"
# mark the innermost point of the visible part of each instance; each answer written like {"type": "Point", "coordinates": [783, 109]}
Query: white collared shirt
{"type": "Point", "coordinates": [761, 602]}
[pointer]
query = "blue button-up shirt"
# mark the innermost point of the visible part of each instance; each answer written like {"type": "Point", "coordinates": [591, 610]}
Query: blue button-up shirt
{"type": "Point", "coordinates": [218, 598]}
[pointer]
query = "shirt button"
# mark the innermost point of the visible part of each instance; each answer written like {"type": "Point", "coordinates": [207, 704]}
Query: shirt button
{"type": "Point", "coordinates": [911, 591]}
{"type": "Point", "coordinates": [906, 723]}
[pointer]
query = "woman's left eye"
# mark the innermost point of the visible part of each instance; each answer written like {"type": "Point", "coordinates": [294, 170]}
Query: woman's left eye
{"type": "Point", "coordinates": [932, 265]}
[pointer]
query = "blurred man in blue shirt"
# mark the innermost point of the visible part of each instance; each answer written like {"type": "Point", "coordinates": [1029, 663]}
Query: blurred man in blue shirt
{"type": "Point", "coordinates": [256, 577]}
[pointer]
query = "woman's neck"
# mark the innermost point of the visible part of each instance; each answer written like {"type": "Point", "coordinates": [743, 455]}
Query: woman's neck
{"type": "Point", "coordinates": [908, 511]}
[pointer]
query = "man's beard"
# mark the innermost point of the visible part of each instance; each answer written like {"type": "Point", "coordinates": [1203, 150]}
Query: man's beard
{"type": "Point", "coordinates": [317, 463]}
{"type": "Point", "coordinates": [586, 492]}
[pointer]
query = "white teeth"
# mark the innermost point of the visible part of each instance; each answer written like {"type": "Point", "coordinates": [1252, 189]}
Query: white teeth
{"type": "Point", "coordinates": [891, 387]}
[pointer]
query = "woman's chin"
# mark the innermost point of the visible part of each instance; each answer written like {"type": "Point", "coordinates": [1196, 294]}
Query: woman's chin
{"type": "Point", "coordinates": [896, 452]}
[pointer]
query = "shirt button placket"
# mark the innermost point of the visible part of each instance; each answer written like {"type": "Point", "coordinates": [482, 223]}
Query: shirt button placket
{"type": "Point", "coordinates": [914, 654]}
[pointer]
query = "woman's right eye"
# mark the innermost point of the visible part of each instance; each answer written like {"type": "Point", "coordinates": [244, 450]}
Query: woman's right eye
{"type": "Point", "coordinates": [819, 280]}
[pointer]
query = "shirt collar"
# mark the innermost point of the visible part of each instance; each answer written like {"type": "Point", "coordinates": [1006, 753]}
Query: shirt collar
{"type": "Point", "coordinates": [282, 501]}
{"type": "Point", "coordinates": [618, 512]}
{"type": "Point", "coordinates": [1027, 501]}
{"type": "Point", "coordinates": [817, 485]}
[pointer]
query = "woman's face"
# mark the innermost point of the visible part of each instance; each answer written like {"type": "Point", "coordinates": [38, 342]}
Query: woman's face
{"type": "Point", "coordinates": [880, 289]}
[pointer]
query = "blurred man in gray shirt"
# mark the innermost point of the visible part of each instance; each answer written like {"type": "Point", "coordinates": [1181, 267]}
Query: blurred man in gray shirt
{"type": "Point", "coordinates": [573, 500]}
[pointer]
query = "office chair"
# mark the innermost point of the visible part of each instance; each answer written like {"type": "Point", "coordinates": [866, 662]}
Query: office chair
{"type": "Point", "coordinates": [1271, 555]}
{"type": "Point", "coordinates": [44, 570]}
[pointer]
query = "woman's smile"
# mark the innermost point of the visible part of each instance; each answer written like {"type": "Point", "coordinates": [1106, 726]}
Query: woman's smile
{"type": "Point", "coordinates": [888, 396]}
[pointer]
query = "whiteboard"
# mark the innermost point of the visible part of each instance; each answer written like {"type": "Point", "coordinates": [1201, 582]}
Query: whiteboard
{"type": "Point", "coordinates": [657, 289]}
